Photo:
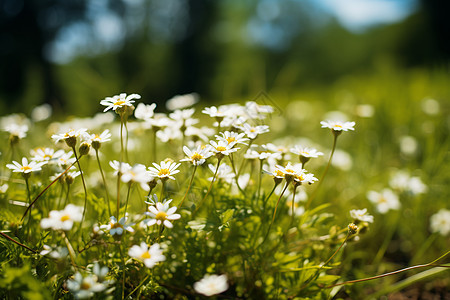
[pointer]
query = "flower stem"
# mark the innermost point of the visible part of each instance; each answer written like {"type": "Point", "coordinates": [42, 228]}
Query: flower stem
{"type": "Point", "coordinates": [163, 186]}
{"type": "Point", "coordinates": [70, 248]}
{"type": "Point", "coordinates": [46, 188]}
{"type": "Point", "coordinates": [189, 187]}
{"type": "Point", "coordinates": [118, 190]}
{"type": "Point", "coordinates": [210, 186]}
{"type": "Point", "coordinates": [104, 182]}
{"type": "Point", "coordinates": [275, 212]}
{"type": "Point", "coordinates": [430, 264]}
{"type": "Point", "coordinates": [84, 186]}
{"type": "Point", "coordinates": [126, 201]}
{"type": "Point", "coordinates": [314, 194]}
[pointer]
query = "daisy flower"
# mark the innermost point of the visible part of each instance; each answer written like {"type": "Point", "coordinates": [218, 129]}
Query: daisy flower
{"type": "Point", "coordinates": [120, 167]}
{"type": "Point", "coordinates": [139, 174]}
{"type": "Point", "coordinates": [211, 285]}
{"type": "Point", "coordinates": [256, 111]}
{"type": "Point", "coordinates": [253, 131]}
{"type": "Point", "coordinates": [214, 112]}
{"type": "Point", "coordinates": [17, 131]}
{"type": "Point", "coordinates": [385, 200]}
{"type": "Point", "coordinates": [164, 170]}
{"type": "Point", "coordinates": [118, 228]}
{"type": "Point", "coordinates": [306, 152]}
{"type": "Point", "coordinates": [161, 214]}
{"type": "Point", "coordinates": [361, 215]}
{"type": "Point", "coordinates": [85, 287]}
{"type": "Point", "coordinates": [45, 154]}
{"type": "Point", "coordinates": [232, 138]}
{"type": "Point", "coordinates": [97, 140]}
{"type": "Point", "coordinates": [198, 156]}
{"type": "Point", "coordinates": [144, 111]}
{"type": "Point", "coordinates": [63, 219]}
{"type": "Point", "coordinates": [338, 125]}
{"type": "Point", "coordinates": [65, 160]}
{"type": "Point", "coordinates": [303, 177]}
{"type": "Point", "coordinates": [149, 256]}
{"type": "Point", "coordinates": [119, 101]}
{"type": "Point", "coordinates": [440, 222]}
{"type": "Point", "coordinates": [291, 172]}
{"type": "Point", "coordinates": [182, 101]}
{"type": "Point", "coordinates": [222, 148]}
{"type": "Point", "coordinates": [70, 136]}
{"type": "Point", "coordinates": [26, 168]}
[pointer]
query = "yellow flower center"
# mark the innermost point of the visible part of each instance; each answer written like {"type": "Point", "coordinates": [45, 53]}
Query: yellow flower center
{"type": "Point", "coordinates": [289, 171]}
{"type": "Point", "coordinates": [116, 225]}
{"type": "Point", "coordinates": [382, 200]}
{"type": "Point", "coordinates": [65, 218]}
{"type": "Point", "coordinates": [145, 255]}
{"type": "Point", "coordinates": [230, 139]}
{"type": "Point", "coordinates": [119, 102]}
{"type": "Point", "coordinates": [337, 125]}
{"type": "Point", "coordinates": [25, 168]}
{"type": "Point", "coordinates": [252, 130]}
{"type": "Point", "coordinates": [161, 216]}
{"type": "Point", "coordinates": [300, 178]}
{"type": "Point", "coordinates": [221, 148]}
{"type": "Point", "coordinates": [85, 285]}
{"type": "Point", "coordinates": [279, 173]}
{"type": "Point", "coordinates": [196, 156]}
{"type": "Point", "coordinates": [163, 172]}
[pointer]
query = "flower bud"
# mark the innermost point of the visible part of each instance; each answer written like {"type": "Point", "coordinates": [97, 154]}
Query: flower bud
{"type": "Point", "coordinates": [84, 148]}
{"type": "Point", "coordinates": [96, 145]}
{"type": "Point", "coordinates": [352, 228]}
{"type": "Point", "coordinates": [71, 141]}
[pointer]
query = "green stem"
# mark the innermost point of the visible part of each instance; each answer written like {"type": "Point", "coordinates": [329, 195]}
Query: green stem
{"type": "Point", "coordinates": [210, 186]}
{"type": "Point", "coordinates": [104, 182]}
{"type": "Point", "coordinates": [139, 286]}
{"type": "Point", "coordinates": [275, 212]}
{"type": "Point", "coordinates": [314, 194]}
{"type": "Point", "coordinates": [46, 188]}
{"type": "Point", "coordinates": [236, 175]}
{"type": "Point", "coordinates": [69, 248]}
{"type": "Point", "coordinates": [189, 187]}
{"type": "Point", "coordinates": [121, 138]}
{"type": "Point", "coordinates": [84, 186]}
{"type": "Point", "coordinates": [123, 269]}
{"type": "Point", "coordinates": [118, 190]}
{"type": "Point", "coordinates": [259, 180]}
{"type": "Point", "coordinates": [163, 186]}
{"type": "Point", "coordinates": [126, 201]}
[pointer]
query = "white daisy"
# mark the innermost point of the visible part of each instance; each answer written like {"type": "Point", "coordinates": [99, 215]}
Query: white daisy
{"type": "Point", "coordinates": [16, 130]}
{"type": "Point", "coordinates": [161, 214]}
{"type": "Point", "coordinates": [361, 215]}
{"type": "Point", "coordinates": [385, 200]}
{"type": "Point", "coordinates": [85, 287]}
{"type": "Point", "coordinates": [211, 285]}
{"type": "Point", "coordinates": [198, 156]}
{"type": "Point", "coordinates": [118, 228]}
{"type": "Point", "coordinates": [119, 101]}
{"type": "Point", "coordinates": [26, 167]}
{"type": "Point", "coordinates": [139, 174]}
{"type": "Point", "coordinates": [253, 131]}
{"type": "Point", "coordinates": [45, 154]}
{"type": "Point", "coordinates": [182, 101]}
{"type": "Point", "coordinates": [63, 219]}
{"type": "Point", "coordinates": [144, 111]}
{"type": "Point", "coordinates": [232, 138]}
{"type": "Point", "coordinates": [338, 125]}
{"type": "Point", "coordinates": [222, 148]}
{"type": "Point", "coordinates": [149, 256]}
{"type": "Point", "coordinates": [164, 170]}
{"type": "Point", "coordinates": [440, 222]}
{"type": "Point", "coordinates": [306, 152]}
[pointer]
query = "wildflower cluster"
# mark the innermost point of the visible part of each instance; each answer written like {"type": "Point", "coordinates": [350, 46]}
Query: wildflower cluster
{"type": "Point", "coordinates": [209, 209]}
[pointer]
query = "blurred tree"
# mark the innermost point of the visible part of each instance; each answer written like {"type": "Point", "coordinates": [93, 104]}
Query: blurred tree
{"type": "Point", "coordinates": [27, 28]}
